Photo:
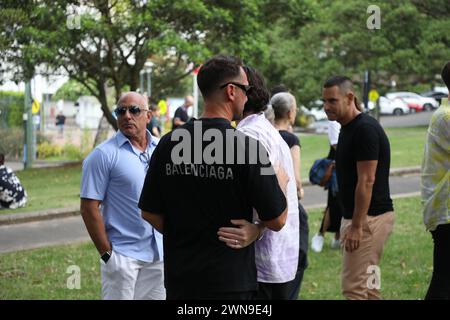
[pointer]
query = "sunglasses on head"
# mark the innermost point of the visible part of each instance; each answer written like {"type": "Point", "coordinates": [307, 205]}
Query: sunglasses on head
{"type": "Point", "coordinates": [134, 110]}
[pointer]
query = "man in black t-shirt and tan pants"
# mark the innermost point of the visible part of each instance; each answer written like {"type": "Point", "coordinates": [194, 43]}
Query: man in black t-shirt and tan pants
{"type": "Point", "coordinates": [362, 167]}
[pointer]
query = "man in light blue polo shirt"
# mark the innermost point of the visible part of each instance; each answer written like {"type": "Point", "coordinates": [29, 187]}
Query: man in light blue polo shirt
{"type": "Point", "coordinates": [113, 176]}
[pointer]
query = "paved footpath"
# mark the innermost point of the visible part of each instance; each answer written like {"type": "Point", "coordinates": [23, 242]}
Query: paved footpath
{"type": "Point", "coordinates": [50, 232]}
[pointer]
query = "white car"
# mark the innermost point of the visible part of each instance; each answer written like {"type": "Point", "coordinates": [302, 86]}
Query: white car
{"type": "Point", "coordinates": [414, 98]}
{"type": "Point", "coordinates": [396, 107]}
{"type": "Point", "coordinates": [316, 113]}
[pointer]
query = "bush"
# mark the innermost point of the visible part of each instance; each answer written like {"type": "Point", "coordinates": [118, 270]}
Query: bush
{"type": "Point", "coordinates": [69, 151]}
{"type": "Point", "coordinates": [46, 150]}
{"type": "Point", "coordinates": [72, 152]}
{"type": "Point", "coordinates": [11, 143]}
{"type": "Point", "coordinates": [11, 108]}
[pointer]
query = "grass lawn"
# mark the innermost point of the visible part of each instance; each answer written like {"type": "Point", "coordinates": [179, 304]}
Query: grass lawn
{"type": "Point", "coordinates": [50, 187]}
{"type": "Point", "coordinates": [42, 273]}
{"type": "Point", "coordinates": [406, 264]}
{"type": "Point", "coordinates": [405, 269]}
{"type": "Point", "coordinates": [406, 147]}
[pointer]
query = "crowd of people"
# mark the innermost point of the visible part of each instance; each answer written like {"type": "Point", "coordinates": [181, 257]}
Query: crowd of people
{"type": "Point", "coordinates": [213, 211]}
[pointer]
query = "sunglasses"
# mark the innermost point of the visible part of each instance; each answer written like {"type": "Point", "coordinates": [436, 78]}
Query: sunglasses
{"type": "Point", "coordinates": [134, 110]}
{"type": "Point", "coordinates": [245, 88]}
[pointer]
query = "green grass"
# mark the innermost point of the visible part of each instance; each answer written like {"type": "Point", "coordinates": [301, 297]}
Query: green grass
{"type": "Point", "coordinates": [42, 273]}
{"type": "Point", "coordinates": [406, 265]}
{"type": "Point", "coordinates": [50, 187]}
{"type": "Point", "coordinates": [313, 147]}
{"type": "Point", "coordinates": [406, 147]}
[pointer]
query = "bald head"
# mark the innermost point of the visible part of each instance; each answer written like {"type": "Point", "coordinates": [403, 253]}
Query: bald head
{"type": "Point", "coordinates": [131, 97]}
{"type": "Point", "coordinates": [188, 101]}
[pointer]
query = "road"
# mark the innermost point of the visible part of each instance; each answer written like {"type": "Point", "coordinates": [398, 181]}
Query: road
{"type": "Point", "coordinates": [408, 120]}
{"type": "Point", "coordinates": [71, 229]}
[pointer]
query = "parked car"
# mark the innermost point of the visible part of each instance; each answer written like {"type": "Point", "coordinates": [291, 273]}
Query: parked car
{"type": "Point", "coordinates": [320, 127]}
{"type": "Point", "coordinates": [436, 95]}
{"type": "Point", "coordinates": [395, 107]}
{"type": "Point", "coordinates": [315, 113]}
{"type": "Point", "coordinates": [415, 102]}
{"type": "Point", "coordinates": [441, 89]}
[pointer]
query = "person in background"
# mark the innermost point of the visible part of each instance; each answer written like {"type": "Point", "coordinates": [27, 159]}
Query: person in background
{"type": "Point", "coordinates": [60, 121]}
{"type": "Point", "coordinates": [284, 107]}
{"type": "Point", "coordinates": [154, 126]}
{"type": "Point", "coordinates": [12, 193]}
{"type": "Point", "coordinates": [331, 221]}
{"type": "Point", "coordinates": [181, 115]}
{"type": "Point", "coordinates": [435, 189]}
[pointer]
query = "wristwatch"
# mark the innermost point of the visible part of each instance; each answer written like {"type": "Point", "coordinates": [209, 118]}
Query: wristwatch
{"type": "Point", "coordinates": [105, 257]}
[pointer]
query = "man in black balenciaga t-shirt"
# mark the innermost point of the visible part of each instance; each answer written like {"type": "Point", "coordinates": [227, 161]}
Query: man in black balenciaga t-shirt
{"type": "Point", "coordinates": [201, 176]}
{"type": "Point", "coordinates": [362, 167]}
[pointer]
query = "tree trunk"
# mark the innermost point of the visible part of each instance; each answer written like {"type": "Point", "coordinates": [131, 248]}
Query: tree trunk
{"type": "Point", "coordinates": [102, 131]}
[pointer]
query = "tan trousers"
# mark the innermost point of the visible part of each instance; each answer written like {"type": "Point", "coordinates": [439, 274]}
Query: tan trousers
{"type": "Point", "coordinates": [361, 276]}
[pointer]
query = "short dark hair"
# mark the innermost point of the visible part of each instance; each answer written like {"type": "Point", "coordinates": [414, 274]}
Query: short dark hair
{"type": "Point", "coordinates": [217, 71]}
{"type": "Point", "coordinates": [278, 88]}
{"type": "Point", "coordinates": [344, 83]}
{"type": "Point", "coordinates": [445, 74]}
{"type": "Point", "coordinates": [258, 96]}
{"type": "Point", "coordinates": [339, 81]}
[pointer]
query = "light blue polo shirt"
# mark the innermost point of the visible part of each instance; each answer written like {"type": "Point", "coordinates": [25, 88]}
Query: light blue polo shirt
{"type": "Point", "coordinates": [114, 173]}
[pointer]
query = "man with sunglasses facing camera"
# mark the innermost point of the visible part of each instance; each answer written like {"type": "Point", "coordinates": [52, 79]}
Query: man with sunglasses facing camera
{"type": "Point", "coordinates": [130, 249]}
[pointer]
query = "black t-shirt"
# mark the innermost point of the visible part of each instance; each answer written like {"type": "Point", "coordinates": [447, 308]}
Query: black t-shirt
{"type": "Point", "coordinates": [60, 119]}
{"type": "Point", "coordinates": [198, 197]}
{"type": "Point", "coordinates": [181, 114]}
{"type": "Point", "coordinates": [360, 140]}
{"type": "Point", "coordinates": [290, 138]}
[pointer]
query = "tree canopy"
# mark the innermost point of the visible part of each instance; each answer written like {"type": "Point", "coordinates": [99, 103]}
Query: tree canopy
{"type": "Point", "coordinates": [410, 47]}
{"type": "Point", "coordinates": [105, 44]}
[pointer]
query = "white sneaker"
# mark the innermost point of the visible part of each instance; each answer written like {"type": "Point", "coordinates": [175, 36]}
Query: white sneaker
{"type": "Point", "coordinates": [335, 243]}
{"type": "Point", "coordinates": [317, 243]}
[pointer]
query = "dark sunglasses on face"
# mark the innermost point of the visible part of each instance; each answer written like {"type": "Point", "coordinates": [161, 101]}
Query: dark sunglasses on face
{"type": "Point", "coordinates": [245, 88]}
{"type": "Point", "coordinates": [134, 110]}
